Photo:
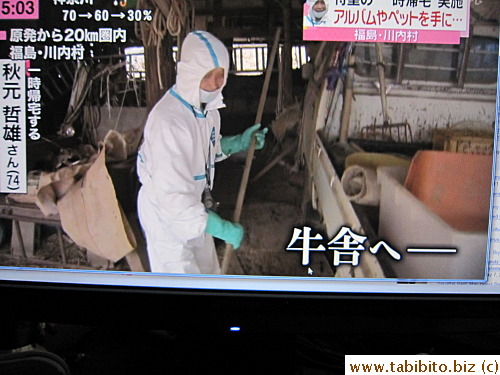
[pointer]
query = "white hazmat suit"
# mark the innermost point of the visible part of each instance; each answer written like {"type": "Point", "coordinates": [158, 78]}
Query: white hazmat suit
{"type": "Point", "coordinates": [181, 145]}
{"type": "Point", "coordinates": [317, 18]}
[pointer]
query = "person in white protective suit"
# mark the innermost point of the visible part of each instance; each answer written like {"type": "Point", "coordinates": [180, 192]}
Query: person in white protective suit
{"type": "Point", "coordinates": [175, 163]}
{"type": "Point", "coordinates": [317, 14]}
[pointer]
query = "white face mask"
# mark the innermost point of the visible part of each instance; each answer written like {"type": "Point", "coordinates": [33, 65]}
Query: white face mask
{"type": "Point", "coordinates": [208, 96]}
{"type": "Point", "coordinates": [318, 15]}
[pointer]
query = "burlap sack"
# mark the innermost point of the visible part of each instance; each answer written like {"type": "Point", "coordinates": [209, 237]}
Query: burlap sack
{"type": "Point", "coordinates": [90, 214]}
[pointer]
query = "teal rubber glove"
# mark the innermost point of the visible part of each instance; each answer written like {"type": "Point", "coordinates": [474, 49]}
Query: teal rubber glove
{"type": "Point", "coordinates": [230, 232]}
{"type": "Point", "coordinates": [241, 142]}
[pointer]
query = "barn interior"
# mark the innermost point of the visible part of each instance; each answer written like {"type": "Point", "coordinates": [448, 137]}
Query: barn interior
{"type": "Point", "coordinates": [330, 106]}
{"type": "Point", "coordinates": [336, 111]}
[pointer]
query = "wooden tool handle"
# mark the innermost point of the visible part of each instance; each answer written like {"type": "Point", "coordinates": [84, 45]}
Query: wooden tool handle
{"type": "Point", "coordinates": [250, 153]}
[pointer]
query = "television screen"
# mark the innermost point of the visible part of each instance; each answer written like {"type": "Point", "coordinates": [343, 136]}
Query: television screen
{"type": "Point", "coordinates": [131, 156]}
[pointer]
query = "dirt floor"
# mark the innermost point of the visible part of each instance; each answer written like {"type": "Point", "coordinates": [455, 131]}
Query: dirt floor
{"type": "Point", "coordinates": [271, 210]}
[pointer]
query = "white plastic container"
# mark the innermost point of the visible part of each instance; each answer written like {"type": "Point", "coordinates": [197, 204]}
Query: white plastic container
{"type": "Point", "coordinates": [405, 222]}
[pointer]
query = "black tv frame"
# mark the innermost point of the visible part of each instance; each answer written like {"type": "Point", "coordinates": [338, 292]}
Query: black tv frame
{"type": "Point", "coordinates": [210, 311]}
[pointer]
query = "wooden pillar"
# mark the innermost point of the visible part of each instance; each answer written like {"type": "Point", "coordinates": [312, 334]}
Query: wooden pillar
{"type": "Point", "coordinates": [347, 105]}
{"type": "Point", "coordinates": [159, 64]}
{"type": "Point", "coordinates": [286, 54]}
{"type": "Point", "coordinates": [153, 90]}
{"type": "Point", "coordinates": [462, 71]}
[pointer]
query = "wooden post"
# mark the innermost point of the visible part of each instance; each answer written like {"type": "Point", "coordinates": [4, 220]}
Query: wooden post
{"type": "Point", "coordinates": [17, 229]}
{"type": "Point", "coordinates": [465, 58]}
{"type": "Point", "coordinates": [381, 79]}
{"type": "Point", "coordinates": [134, 261]}
{"type": "Point", "coordinates": [160, 67]}
{"type": "Point", "coordinates": [401, 62]}
{"type": "Point", "coordinates": [346, 108]}
{"type": "Point", "coordinates": [153, 90]}
{"type": "Point", "coordinates": [286, 54]}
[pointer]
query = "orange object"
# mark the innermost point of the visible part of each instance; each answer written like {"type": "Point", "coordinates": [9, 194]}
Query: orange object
{"type": "Point", "coordinates": [455, 186]}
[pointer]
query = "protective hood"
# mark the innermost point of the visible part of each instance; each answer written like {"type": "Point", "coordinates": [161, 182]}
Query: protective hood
{"type": "Point", "coordinates": [201, 52]}
{"type": "Point", "coordinates": [315, 15]}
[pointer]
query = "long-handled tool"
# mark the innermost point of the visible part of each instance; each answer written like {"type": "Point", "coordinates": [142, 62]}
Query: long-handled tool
{"type": "Point", "coordinates": [402, 130]}
{"type": "Point", "coordinates": [248, 163]}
